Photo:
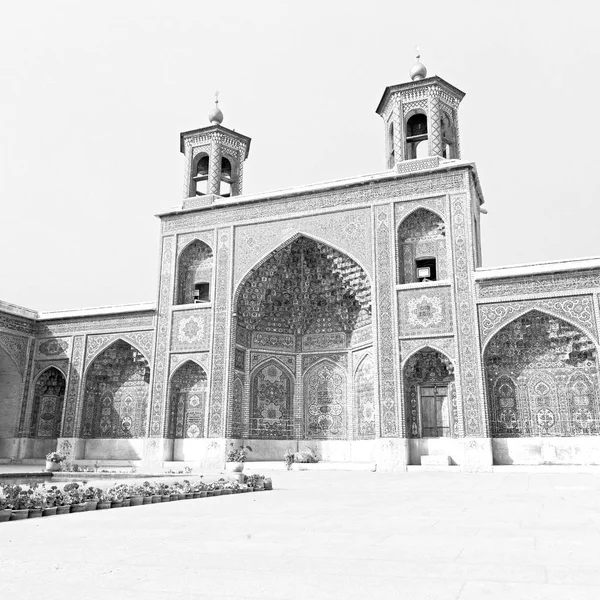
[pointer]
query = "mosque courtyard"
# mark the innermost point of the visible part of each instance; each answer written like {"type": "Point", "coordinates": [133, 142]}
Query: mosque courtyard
{"type": "Point", "coordinates": [326, 535]}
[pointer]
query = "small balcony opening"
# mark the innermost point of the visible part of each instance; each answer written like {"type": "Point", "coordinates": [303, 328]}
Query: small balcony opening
{"type": "Point", "coordinates": [201, 293]}
{"type": "Point", "coordinates": [426, 269]}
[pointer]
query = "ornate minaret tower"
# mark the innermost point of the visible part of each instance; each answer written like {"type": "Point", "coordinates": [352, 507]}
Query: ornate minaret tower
{"type": "Point", "coordinates": [420, 117]}
{"type": "Point", "coordinates": [215, 157]}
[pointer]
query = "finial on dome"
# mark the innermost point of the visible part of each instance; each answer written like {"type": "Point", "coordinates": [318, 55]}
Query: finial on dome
{"type": "Point", "coordinates": [418, 70]}
{"type": "Point", "coordinates": [215, 116]}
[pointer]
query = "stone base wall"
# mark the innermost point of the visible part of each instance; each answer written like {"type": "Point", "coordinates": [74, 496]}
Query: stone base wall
{"type": "Point", "coordinates": [547, 451]}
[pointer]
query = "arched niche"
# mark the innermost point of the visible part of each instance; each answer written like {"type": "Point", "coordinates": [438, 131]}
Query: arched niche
{"type": "Point", "coordinates": [364, 399]}
{"type": "Point", "coordinates": [430, 395]}
{"type": "Point", "coordinates": [188, 392]}
{"type": "Point", "coordinates": [422, 245]}
{"type": "Point", "coordinates": [116, 393]}
{"type": "Point", "coordinates": [553, 368]}
{"type": "Point", "coordinates": [48, 401]}
{"type": "Point", "coordinates": [10, 401]}
{"type": "Point", "coordinates": [325, 392]}
{"type": "Point", "coordinates": [271, 401]}
{"type": "Point", "coordinates": [194, 274]}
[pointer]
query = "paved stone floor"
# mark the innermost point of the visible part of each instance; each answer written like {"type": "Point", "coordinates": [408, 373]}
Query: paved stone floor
{"type": "Point", "coordinates": [325, 535]}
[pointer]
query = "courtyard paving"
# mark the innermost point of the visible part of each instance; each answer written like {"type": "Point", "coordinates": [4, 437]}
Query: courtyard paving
{"type": "Point", "coordinates": [326, 535]}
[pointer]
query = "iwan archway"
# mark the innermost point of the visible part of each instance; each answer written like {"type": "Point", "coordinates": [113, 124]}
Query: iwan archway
{"type": "Point", "coordinates": [303, 334]}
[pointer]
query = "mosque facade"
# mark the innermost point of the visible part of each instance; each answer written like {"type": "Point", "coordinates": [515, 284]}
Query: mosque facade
{"type": "Point", "coordinates": [352, 317]}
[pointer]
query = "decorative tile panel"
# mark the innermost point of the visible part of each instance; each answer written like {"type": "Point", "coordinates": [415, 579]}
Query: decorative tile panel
{"type": "Point", "coordinates": [190, 330]}
{"type": "Point", "coordinates": [425, 311]}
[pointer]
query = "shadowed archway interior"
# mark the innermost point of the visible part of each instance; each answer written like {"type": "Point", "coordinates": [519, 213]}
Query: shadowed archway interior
{"type": "Point", "coordinates": [305, 302]}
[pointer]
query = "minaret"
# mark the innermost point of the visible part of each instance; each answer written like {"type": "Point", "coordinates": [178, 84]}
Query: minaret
{"type": "Point", "coordinates": [420, 117]}
{"type": "Point", "coordinates": [215, 157]}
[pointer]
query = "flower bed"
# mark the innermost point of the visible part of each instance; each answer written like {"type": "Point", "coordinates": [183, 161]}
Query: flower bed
{"type": "Point", "coordinates": [41, 500]}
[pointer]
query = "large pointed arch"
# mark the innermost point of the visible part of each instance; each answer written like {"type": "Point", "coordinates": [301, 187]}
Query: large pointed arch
{"type": "Point", "coordinates": [545, 355]}
{"type": "Point", "coordinates": [281, 244]}
{"type": "Point", "coordinates": [116, 393]}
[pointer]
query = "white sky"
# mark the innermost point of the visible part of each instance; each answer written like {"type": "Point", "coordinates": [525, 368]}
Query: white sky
{"type": "Point", "coordinates": [93, 97]}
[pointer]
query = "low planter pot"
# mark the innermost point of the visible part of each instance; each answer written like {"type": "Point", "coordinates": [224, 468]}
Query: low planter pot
{"type": "Point", "coordinates": [167, 498]}
{"type": "Point", "coordinates": [189, 495]}
{"type": "Point", "coordinates": [19, 515]}
{"type": "Point", "coordinates": [250, 488]}
{"type": "Point", "coordinates": [174, 497]}
{"type": "Point", "coordinates": [116, 503]}
{"type": "Point", "coordinates": [268, 485]}
{"type": "Point", "coordinates": [63, 510]}
{"type": "Point", "coordinates": [126, 502]}
{"type": "Point", "coordinates": [234, 467]}
{"type": "Point", "coordinates": [155, 499]}
{"type": "Point", "coordinates": [226, 492]}
{"type": "Point", "coordinates": [181, 496]}
{"type": "Point", "coordinates": [52, 466]}
{"type": "Point", "coordinates": [147, 500]}
{"type": "Point", "coordinates": [49, 511]}
{"type": "Point", "coordinates": [5, 515]}
{"type": "Point", "coordinates": [91, 504]}
{"type": "Point", "coordinates": [197, 495]}
{"type": "Point", "coordinates": [203, 494]}
{"type": "Point", "coordinates": [35, 513]}
{"type": "Point", "coordinates": [103, 505]}
{"type": "Point", "coordinates": [210, 493]}
{"type": "Point", "coordinates": [79, 507]}
{"type": "Point", "coordinates": [136, 500]}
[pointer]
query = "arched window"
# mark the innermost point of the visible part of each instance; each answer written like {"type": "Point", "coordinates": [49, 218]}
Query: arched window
{"type": "Point", "coordinates": [422, 247]}
{"type": "Point", "coordinates": [194, 274]}
{"type": "Point", "coordinates": [188, 401]}
{"type": "Point", "coordinates": [391, 152]}
{"type": "Point", "coordinates": [227, 178]}
{"type": "Point", "coordinates": [447, 131]}
{"type": "Point", "coordinates": [201, 174]}
{"type": "Point", "coordinates": [417, 136]}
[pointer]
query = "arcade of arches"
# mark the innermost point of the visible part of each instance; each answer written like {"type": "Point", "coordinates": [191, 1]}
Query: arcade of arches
{"type": "Point", "coordinates": [303, 321]}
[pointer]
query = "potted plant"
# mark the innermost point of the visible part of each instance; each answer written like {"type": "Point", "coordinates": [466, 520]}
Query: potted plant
{"type": "Point", "coordinates": [104, 500]}
{"type": "Point", "coordinates": [5, 506]}
{"type": "Point", "coordinates": [115, 493]}
{"type": "Point", "coordinates": [76, 497]}
{"type": "Point", "coordinates": [187, 490]}
{"type": "Point", "coordinates": [236, 457]}
{"type": "Point", "coordinates": [36, 502]}
{"type": "Point", "coordinates": [268, 483]}
{"type": "Point", "coordinates": [91, 496]}
{"type": "Point", "coordinates": [49, 507]}
{"type": "Point", "coordinates": [53, 460]}
{"type": "Point", "coordinates": [137, 495]}
{"type": "Point", "coordinates": [19, 500]}
{"type": "Point", "coordinates": [148, 492]}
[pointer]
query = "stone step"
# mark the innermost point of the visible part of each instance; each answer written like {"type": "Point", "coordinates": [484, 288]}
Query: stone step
{"type": "Point", "coordinates": [437, 460]}
{"type": "Point", "coordinates": [434, 468]}
{"type": "Point", "coordinates": [279, 465]}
